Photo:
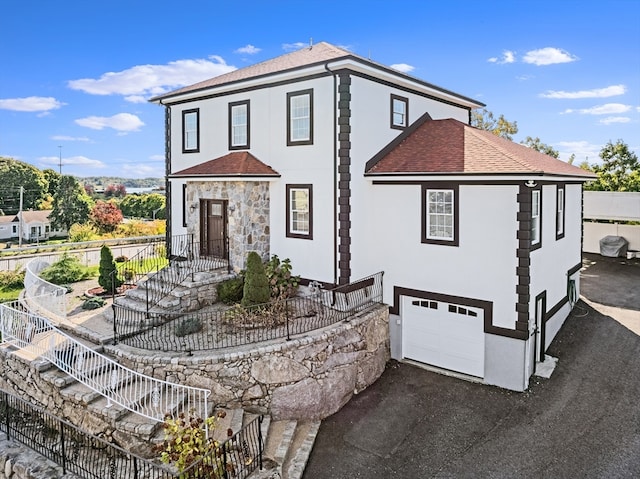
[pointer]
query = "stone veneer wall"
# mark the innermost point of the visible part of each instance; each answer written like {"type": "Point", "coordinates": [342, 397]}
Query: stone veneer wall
{"type": "Point", "coordinates": [305, 378]}
{"type": "Point", "coordinates": [248, 215]}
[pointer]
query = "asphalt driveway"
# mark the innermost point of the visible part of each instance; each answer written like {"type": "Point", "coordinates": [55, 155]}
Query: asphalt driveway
{"type": "Point", "coordinates": [582, 422]}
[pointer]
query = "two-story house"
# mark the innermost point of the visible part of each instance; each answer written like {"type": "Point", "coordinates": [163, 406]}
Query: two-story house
{"type": "Point", "coordinates": [348, 167]}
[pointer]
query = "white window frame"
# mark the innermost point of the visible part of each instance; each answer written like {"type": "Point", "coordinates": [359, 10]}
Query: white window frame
{"type": "Point", "coordinates": [239, 125]}
{"type": "Point", "coordinates": [190, 131]}
{"type": "Point", "coordinates": [300, 118]}
{"type": "Point", "coordinates": [442, 211]}
{"type": "Point", "coordinates": [560, 200]}
{"type": "Point", "coordinates": [399, 111]}
{"type": "Point", "coordinates": [536, 216]}
{"type": "Point", "coordinates": [295, 213]}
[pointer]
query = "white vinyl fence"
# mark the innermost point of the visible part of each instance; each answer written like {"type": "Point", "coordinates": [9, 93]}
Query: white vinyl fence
{"type": "Point", "coordinates": [619, 207]}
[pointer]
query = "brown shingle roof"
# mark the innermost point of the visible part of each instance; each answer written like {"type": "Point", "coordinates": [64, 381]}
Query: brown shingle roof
{"type": "Point", "coordinates": [237, 163]}
{"type": "Point", "coordinates": [318, 53]}
{"type": "Point", "coordinates": [450, 146]}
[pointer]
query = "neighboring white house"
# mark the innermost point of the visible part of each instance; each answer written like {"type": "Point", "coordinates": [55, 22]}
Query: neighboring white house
{"type": "Point", "coordinates": [348, 167]}
{"type": "Point", "coordinates": [8, 227]}
{"type": "Point", "coordinates": [35, 226]}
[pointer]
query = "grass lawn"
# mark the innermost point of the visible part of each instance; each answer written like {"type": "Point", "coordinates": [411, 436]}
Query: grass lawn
{"type": "Point", "coordinates": [9, 294]}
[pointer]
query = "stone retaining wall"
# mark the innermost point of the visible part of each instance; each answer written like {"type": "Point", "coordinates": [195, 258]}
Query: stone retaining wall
{"type": "Point", "coordinates": [305, 378]}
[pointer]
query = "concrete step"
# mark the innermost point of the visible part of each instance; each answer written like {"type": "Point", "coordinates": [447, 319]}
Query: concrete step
{"type": "Point", "coordinates": [300, 449]}
{"type": "Point", "coordinates": [278, 442]}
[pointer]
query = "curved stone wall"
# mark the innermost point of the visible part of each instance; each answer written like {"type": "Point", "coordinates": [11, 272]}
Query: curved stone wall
{"type": "Point", "coordinates": [305, 378]}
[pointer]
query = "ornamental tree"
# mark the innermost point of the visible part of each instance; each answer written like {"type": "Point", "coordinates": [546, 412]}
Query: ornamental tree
{"type": "Point", "coordinates": [106, 216]}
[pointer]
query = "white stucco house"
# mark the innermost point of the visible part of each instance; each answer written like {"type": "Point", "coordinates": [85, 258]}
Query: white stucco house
{"type": "Point", "coordinates": [348, 167]}
{"type": "Point", "coordinates": [32, 225]}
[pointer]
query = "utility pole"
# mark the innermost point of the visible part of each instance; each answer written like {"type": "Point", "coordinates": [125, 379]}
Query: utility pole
{"type": "Point", "coordinates": [20, 218]}
{"type": "Point", "coordinates": [60, 157]}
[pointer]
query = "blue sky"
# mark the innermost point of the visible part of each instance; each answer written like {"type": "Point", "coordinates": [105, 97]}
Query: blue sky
{"type": "Point", "coordinates": [76, 75]}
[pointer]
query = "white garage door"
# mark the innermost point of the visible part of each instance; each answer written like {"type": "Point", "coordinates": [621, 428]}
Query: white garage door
{"type": "Point", "coordinates": [445, 335]}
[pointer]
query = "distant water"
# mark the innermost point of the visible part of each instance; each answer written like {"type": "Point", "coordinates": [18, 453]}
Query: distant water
{"type": "Point", "coordinates": [142, 190]}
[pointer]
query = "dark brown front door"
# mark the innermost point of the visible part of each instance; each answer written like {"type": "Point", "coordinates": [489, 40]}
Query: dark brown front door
{"type": "Point", "coordinates": [213, 228]}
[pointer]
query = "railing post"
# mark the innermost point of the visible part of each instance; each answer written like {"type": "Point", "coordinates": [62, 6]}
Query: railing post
{"type": "Point", "coordinates": [115, 324]}
{"type": "Point", "coordinates": [64, 454]}
{"type": "Point", "coordinates": [224, 460]}
{"type": "Point", "coordinates": [286, 316]}
{"type": "Point", "coordinates": [7, 419]}
{"type": "Point", "coordinates": [147, 291]}
{"type": "Point", "coordinates": [260, 445]}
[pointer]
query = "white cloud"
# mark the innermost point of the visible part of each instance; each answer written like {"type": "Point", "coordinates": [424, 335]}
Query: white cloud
{"type": "Point", "coordinates": [136, 99]}
{"type": "Point", "coordinates": [72, 161]}
{"type": "Point", "coordinates": [613, 90]}
{"type": "Point", "coordinates": [615, 119]}
{"type": "Point", "coordinates": [403, 67]}
{"type": "Point", "coordinates": [142, 171]}
{"type": "Point", "coordinates": [582, 149]}
{"type": "Point", "coordinates": [548, 56]}
{"type": "Point", "coordinates": [69, 138]}
{"type": "Point", "coordinates": [122, 122]}
{"type": "Point", "coordinates": [508, 56]}
{"type": "Point", "coordinates": [289, 47]}
{"type": "Point", "coordinates": [157, 157]}
{"type": "Point", "coordinates": [31, 103]}
{"type": "Point", "coordinates": [141, 80]}
{"type": "Point", "coordinates": [248, 50]}
{"type": "Point", "coordinates": [606, 109]}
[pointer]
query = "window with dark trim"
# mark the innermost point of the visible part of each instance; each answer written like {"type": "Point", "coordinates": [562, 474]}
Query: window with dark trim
{"type": "Point", "coordinates": [536, 219]}
{"type": "Point", "coordinates": [191, 131]}
{"type": "Point", "coordinates": [300, 118]}
{"type": "Point", "coordinates": [184, 205]}
{"type": "Point", "coordinates": [399, 112]}
{"type": "Point", "coordinates": [239, 125]}
{"type": "Point", "coordinates": [300, 211]}
{"type": "Point", "coordinates": [560, 200]}
{"type": "Point", "coordinates": [440, 217]}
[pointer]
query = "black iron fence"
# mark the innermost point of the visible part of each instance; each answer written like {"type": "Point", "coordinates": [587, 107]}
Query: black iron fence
{"type": "Point", "coordinates": [166, 268]}
{"type": "Point", "coordinates": [76, 451]}
{"type": "Point", "coordinates": [91, 457]}
{"type": "Point", "coordinates": [222, 327]}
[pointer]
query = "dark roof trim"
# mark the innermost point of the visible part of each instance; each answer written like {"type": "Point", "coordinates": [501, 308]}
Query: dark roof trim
{"type": "Point", "coordinates": [396, 141]}
{"type": "Point", "coordinates": [356, 58]}
{"type": "Point", "coordinates": [578, 179]}
{"type": "Point", "coordinates": [235, 175]}
{"type": "Point", "coordinates": [463, 181]}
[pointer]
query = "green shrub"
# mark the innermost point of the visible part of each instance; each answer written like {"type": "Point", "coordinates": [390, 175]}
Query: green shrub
{"type": "Point", "coordinates": [93, 303]}
{"type": "Point", "coordinates": [67, 269]}
{"type": "Point", "coordinates": [230, 291]}
{"type": "Point", "coordinates": [108, 277]}
{"type": "Point", "coordinates": [282, 283]}
{"type": "Point", "coordinates": [256, 284]}
{"type": "Point", "coordinates": [188, 326]}
{"type": "Point", "coordinates": [12, 279]}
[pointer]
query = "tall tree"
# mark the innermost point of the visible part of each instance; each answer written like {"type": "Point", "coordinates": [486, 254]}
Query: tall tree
{"type": "Point", "coordinates": [15, 174]}
{"type": "Point", "coordinates": [71, 204]}
{"type": "Point", "coordinates": [484, 120]}
{"type": "Point", "coordinates": [619, 170]}
{"type": "Point", "coordinates": [537, 145]}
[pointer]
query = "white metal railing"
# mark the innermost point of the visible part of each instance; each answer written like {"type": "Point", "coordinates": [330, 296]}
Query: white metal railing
{"type": "Point", "coordinates": [36, 337]}
{"type": "Point", "coordinates": [46, 297]}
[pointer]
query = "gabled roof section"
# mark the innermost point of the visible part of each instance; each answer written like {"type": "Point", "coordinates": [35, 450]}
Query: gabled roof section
{"type": "Point", "coordinates": [237, 163]}
{"type": "Point", "coordinates": [452, 147]}
{"type": "Point", "coordinates": [317, 54]}
{"type": "Point", "coordinates": [38, 216]}
{"type": "Point", "coordinates": [8, 219]}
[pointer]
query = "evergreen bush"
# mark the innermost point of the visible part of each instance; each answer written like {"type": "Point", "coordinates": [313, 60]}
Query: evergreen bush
{"type": "Point", "coordinates": [231, 290]}
{"type": "Point", "coordinates": [108, 278]}
{"type": "Point", "coordinates": [256, 284]}
{"type": "Point", "coordinates": [67, 269]}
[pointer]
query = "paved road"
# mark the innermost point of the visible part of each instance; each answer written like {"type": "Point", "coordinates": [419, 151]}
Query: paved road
{"type": "Point", "coordinates": [582, 422]}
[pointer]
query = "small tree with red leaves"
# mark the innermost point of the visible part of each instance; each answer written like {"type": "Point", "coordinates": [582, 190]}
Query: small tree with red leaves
{"type": "Point", "coordinates": [106, 216]}
{"type": "Point", "coordinates": [116, 191]}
